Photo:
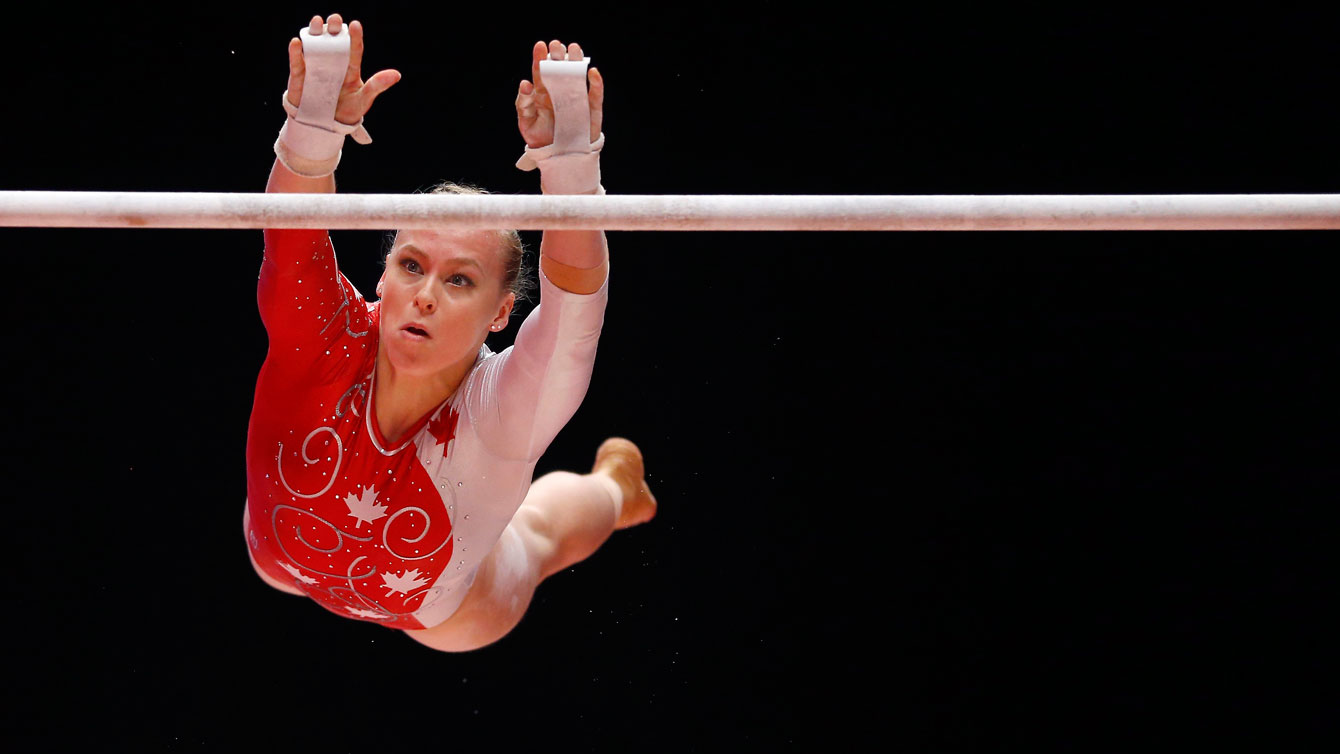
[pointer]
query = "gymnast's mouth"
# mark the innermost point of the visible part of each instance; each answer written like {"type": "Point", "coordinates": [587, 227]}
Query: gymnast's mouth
{"type": "Point", "coordinates": [416, 331]}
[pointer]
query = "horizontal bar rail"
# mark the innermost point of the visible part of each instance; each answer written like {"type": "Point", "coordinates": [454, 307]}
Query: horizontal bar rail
{"type": "Point", "coordinates": [104, 209]}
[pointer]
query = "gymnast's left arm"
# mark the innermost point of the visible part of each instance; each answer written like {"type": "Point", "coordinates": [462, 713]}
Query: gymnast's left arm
{"type": "Point", "coordinates": [528, 394]}
{"type": "Point", "coordinates": [574, 260]}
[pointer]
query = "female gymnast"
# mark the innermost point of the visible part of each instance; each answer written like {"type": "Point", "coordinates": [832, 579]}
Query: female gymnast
{"type": "Point", "coordinates": [390, 452]}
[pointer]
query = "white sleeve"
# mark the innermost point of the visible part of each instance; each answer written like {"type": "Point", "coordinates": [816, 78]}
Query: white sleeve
{"type": "Point", "coordinates": [519, 399]}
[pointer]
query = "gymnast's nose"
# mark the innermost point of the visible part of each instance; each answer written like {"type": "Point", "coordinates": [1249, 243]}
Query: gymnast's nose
{"type": "Point", "coordinates": [424, 299]}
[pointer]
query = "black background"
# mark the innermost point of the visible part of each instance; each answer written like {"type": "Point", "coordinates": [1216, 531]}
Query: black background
{"type": "Point", "coordinates": [918, 491]}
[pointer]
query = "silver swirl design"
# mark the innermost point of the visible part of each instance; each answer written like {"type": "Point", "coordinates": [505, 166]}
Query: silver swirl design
{"type": "Point", "coordinates": [383, 613]}
{"type": "Point", "coordinates": [366, 603]}
{"type": "Point", "coordinates": [428, 524]}
{"type": "Point", "coordinates": [376, 605]}
{"type": "Point", "coordinates": [363, 598]}
{"type": "Point", "coordinates": [339, 458]}
{"type": "Point", "coordinates": [339, 535]}
{"type": "Point", "coordinates": [362, 389]}
{"type": "Point", "coordinates": [348, 322]}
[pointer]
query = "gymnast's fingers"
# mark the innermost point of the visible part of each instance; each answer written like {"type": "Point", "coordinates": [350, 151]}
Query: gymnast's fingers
{"type": "Point", "coordinates": [380, 82]}
{"type": "Point", "coordinates": [595, 96]}
{"type": "Point", "coordinates": [557, 51]}
{"type": "Point", "coordinates": [537, 53]}
{"type": "Point", "coordinates": [316, 28]}
{"type": "Point", "coordinates": [297, 70]}
{"type": "Point", "coordinates": [333, 24]}
{"type": "Point", "coordinates": [355, 49]}
{"type": "Point", "coordinates": [525, 100]}
{"type": "Point", "coordinates": [574, 51]}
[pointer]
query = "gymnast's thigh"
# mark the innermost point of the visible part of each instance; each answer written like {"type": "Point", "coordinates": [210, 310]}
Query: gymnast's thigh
{"type": "Point", "coordinates": [497, 599]}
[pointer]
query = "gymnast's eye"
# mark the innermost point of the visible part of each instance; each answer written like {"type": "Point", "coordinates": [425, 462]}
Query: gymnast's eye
{"type": "Point", "coordinates": [411, 266]}
{"type": "Point", "coordinates": [460, 281]}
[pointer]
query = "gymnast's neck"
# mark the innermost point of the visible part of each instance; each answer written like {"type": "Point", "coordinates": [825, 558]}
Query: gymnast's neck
{"type": "Point", "coordinates": [401, 399]}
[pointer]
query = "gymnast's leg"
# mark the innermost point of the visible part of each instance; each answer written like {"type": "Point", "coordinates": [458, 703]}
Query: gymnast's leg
{"type": "Point", "coordinates": [563, 520]}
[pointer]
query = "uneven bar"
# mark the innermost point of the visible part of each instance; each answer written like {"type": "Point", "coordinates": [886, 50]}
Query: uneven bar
{"type": "Point", "coordinates": [101, 209]}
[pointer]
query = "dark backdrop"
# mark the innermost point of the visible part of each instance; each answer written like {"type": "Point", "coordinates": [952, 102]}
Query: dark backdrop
{"type": "Point", "coordinates": [920, 491]}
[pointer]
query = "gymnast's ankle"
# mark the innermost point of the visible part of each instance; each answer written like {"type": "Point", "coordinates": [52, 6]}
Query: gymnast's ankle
{"type": "Point", "coordinates": [621, 460]}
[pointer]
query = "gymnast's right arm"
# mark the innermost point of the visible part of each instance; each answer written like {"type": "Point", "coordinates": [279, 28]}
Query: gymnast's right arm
{"type": "Point", "coordinates": [308, 171]}
{"type": "Point", "coordinates": [300, 288]}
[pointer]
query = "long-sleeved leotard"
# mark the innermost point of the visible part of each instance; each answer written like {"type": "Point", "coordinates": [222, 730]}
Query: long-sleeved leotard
{"type": "Point", "coordinates": [393, 534]}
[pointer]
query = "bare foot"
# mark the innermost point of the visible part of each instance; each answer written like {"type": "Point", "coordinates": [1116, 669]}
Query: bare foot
{"type": "Point", "coordinates": [622, 461]}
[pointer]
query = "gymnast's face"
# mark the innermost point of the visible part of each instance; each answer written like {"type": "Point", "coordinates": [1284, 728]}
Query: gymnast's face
{"type": "Point", "coordinates": [441, 295]}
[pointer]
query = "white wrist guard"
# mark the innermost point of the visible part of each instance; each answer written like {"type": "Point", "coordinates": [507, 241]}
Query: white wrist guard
{"type": "Point", "coordinates": [310, 142]}
{"type": "Point", "coordinates": [571, 165]}
{"type": "Point", "coordinates": [569, 173]}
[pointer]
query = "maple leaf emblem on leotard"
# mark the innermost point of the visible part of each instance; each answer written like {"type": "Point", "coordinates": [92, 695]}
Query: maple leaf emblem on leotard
{"type": "Point", "coordinates": [443, 426]}
{"type": "Point", "coordinates": [364, 506]}
{"type": "Point", "coordinates": [366, 613]}
{"type": "Point", "coordinates": [299, 575]}
{"type": "Point", "coordinates": [404, 583]}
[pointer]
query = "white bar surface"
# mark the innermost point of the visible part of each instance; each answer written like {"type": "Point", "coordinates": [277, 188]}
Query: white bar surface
{"type": "Point", "coordinates": [102, 209]}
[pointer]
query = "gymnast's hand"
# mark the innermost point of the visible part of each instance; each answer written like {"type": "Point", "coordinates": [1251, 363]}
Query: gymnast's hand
{"type": "Point", "coordinates": [356, 95]}
{"type": "Point", "coordinates": [535, 111]}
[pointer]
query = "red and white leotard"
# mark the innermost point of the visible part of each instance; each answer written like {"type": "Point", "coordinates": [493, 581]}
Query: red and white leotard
{"type": "Point", "coordinates": [380, 533]}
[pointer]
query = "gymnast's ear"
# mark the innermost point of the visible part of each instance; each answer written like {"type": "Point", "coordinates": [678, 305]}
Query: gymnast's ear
{"type": "Point", "coordinates": [504, 312]}
{"type": "Point", "coordinates": [381, 283]}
